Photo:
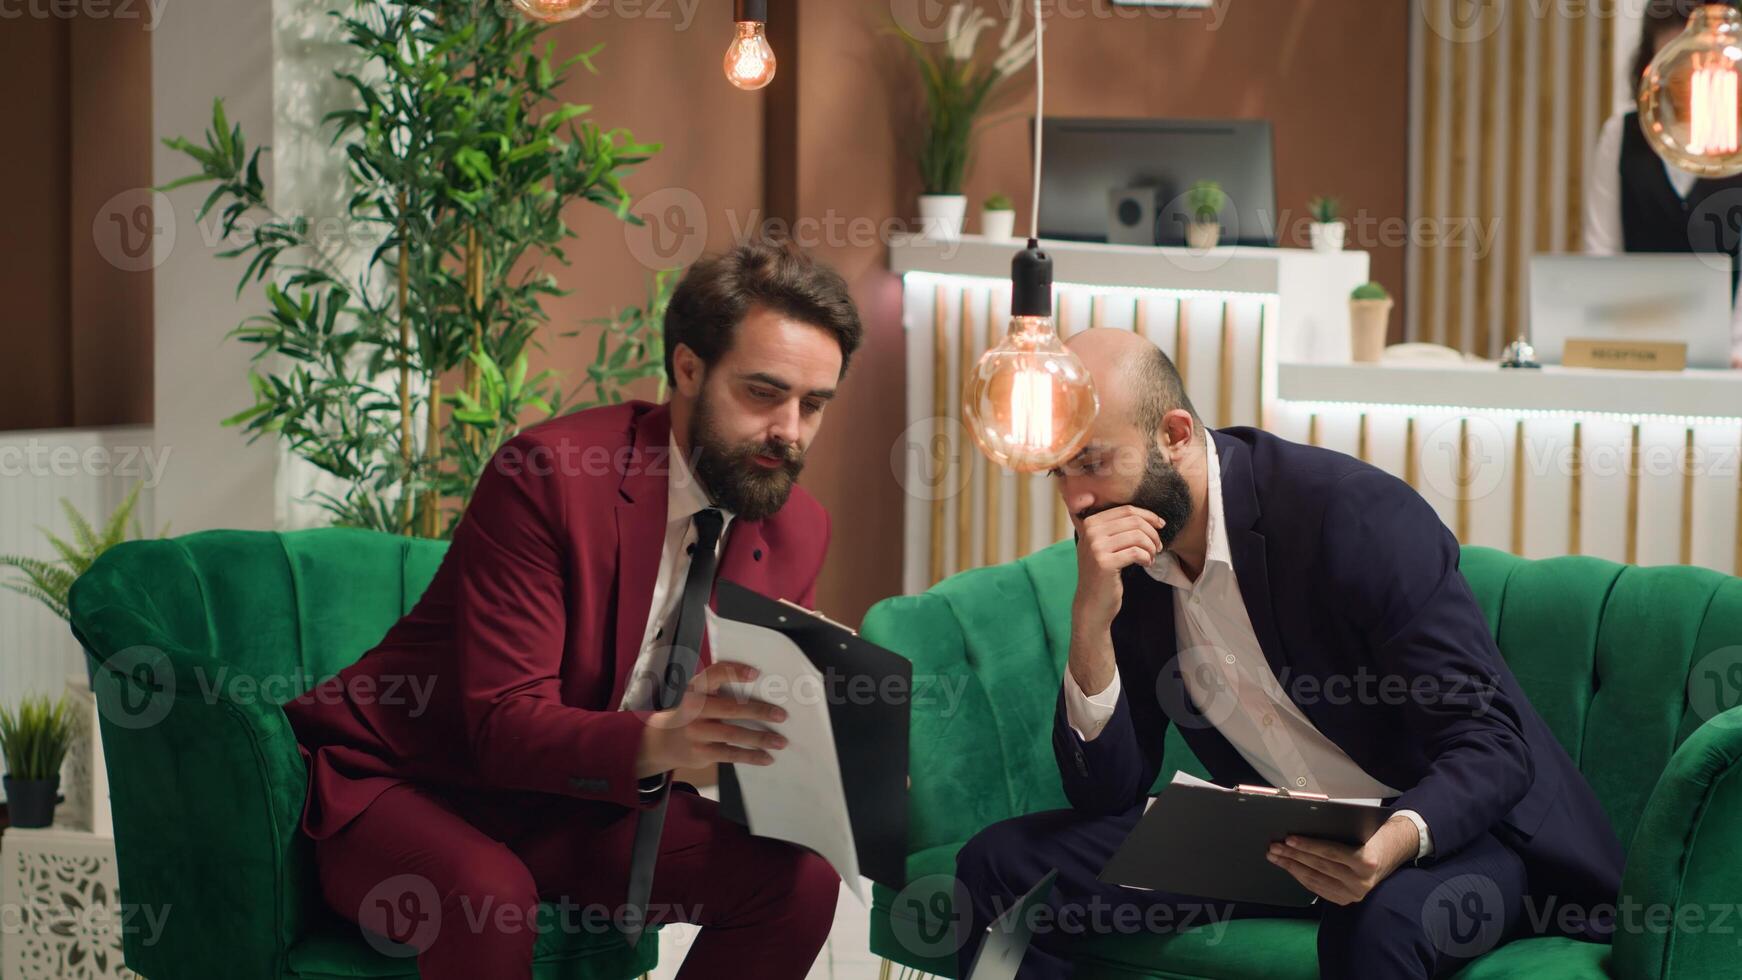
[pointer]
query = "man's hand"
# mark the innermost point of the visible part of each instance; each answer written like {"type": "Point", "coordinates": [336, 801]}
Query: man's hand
{"type": "Point", "coordinates": [1110, 541]}
{"type": "Point", "coordinates": [699, 732]}
{"type": "Point", "coordinates": [1343, 875]}
{"type": "Point", "coordinates": [1106, 543]}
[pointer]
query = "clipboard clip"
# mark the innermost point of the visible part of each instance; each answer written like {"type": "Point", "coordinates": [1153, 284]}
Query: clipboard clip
{"type": "Point", "coordinates": [1279, 792]}
{"type": "Point", "coordinates": [817, 615]}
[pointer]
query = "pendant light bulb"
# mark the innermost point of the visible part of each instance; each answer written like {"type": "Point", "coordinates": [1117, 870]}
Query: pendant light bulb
{"type": "Point", "coordinates": [1690, 99]}
{"type": "Point", "coordinates": [750, 63]}
{"type": "Point", "coordinates": [1029, 402]}
{"type": "Point", "coordinates": [553, 11]}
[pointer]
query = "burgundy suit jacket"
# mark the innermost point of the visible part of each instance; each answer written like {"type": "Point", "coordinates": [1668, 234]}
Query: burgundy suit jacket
{"type": "Point", "coordinates": [526, 637]}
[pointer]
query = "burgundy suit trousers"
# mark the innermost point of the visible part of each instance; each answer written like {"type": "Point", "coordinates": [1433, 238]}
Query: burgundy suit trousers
{"type": "Point", "coordinates": [456, 881]}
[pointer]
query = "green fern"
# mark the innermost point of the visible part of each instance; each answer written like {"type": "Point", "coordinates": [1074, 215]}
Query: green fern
{"type": "Point", "coordinates": [48, 582]}
{"type": "Point", "coordinates": [35, 738]}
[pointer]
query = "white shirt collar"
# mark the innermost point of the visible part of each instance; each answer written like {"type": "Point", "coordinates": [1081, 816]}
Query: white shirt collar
{"type": "Point", "coordinates": [685, 496]}
{"type": "Point", "coordinates": [1166, 568]}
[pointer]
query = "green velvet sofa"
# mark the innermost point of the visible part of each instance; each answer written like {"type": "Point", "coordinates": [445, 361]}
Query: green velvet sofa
{"type": "Point", "coordinates": [194, 643]}
{"type": "Point", "coordinates": [1637, 670]}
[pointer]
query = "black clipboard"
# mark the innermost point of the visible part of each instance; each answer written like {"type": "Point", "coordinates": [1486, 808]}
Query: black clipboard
{"type": "Point", "coordinates": [871, 732]}
{"type": "Point", "coordinates": [1212, 842]}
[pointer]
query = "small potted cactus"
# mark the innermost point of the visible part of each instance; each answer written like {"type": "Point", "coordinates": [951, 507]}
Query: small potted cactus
{"type": "Point", "coordinates": [998, 218]}
{"type": "Point", "coordinates": [1369, 321]}
{"type": "Point", "coordinates": [1328, 230]}
{"type": "Point", "coordinates": [1204, 202]}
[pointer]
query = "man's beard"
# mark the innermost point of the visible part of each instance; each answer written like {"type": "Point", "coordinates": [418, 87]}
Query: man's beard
{"type": "Point", "coordinates": [730, 475]}
{"type": "Point", "coordinates": [1163, 492]}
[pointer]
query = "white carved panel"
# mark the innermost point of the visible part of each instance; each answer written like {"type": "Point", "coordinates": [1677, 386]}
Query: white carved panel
{"type": "Point", "coordinates": [61, 917]}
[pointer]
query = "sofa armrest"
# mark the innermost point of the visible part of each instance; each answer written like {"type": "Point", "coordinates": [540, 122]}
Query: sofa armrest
{"type": "Point", "coordinates": [207, 787]}
{"type": "Point", "coordinates": [1681, 892]}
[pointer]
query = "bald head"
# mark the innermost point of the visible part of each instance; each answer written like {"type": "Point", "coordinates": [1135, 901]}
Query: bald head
{"type": "Point", "coordinates": [1133, 377]}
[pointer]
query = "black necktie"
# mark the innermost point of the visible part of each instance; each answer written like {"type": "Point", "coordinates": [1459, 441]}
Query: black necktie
{"type": "Point", "coordinates": [686, 651]}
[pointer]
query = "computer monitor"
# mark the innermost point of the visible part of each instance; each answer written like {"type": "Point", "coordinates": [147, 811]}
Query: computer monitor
{"type": "Point", "coordinates": [1085, 159]}
{"type": "Point", "coordinates": [1641, 296]}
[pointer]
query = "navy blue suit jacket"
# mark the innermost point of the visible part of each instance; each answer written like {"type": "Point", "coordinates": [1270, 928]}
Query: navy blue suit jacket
{"type": "Point", "coordinates": [1352, 585]}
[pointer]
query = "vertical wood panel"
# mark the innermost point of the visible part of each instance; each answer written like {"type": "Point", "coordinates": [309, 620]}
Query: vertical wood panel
{"type": "Point", "coordinates": [1579, 100]}
{"type": "Point", "coordinates": [1487, 179]}
{"type": "Point", "coordinates": [1517, 46]}
{"type": "Point", "coordinates": [940, 444]}
{"type": "Point", "coordinates": [1465, 59]}
{"type": "Point", "coordinates": [1225, 374]}
{"type": "Point", "coordinates": [1518, 458]}
{"type": "Point", "coordinates": [1547, 70]}
{"type": "Point", "coordinates": [1427, 291]}
{"type": "Point", "coordinates": [968, 452]}
{"type": "Point", "coordinates": [1576, 496]}
{"type": "Point", "coordinates": [991, 521]}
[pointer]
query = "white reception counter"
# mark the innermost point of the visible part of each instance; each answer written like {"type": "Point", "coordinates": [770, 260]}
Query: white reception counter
{"type": "Point", "coordinates": [1632, 466]}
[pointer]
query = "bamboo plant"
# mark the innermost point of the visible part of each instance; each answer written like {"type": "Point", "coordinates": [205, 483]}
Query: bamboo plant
{"type": "Point", "coordinates": [461, 160]}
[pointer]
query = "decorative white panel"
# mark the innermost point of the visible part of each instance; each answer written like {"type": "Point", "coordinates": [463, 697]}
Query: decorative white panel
{"type": "Point", "coordinates": [62, 914]}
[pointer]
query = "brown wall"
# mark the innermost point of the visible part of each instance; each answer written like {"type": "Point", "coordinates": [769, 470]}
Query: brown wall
{"type": "Point", "coordinates": [79, 323]}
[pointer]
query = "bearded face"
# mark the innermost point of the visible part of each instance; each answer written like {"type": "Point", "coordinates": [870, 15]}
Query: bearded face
{"type": "Point", "coordinates": [753, 478]}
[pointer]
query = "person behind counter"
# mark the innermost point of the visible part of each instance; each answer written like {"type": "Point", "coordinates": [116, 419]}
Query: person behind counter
{"type": "Point", "coordinates": [1635, 201]}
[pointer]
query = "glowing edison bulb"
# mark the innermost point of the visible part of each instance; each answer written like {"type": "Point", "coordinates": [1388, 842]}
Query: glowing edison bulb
{"type": "Point", "coordinates": [1690, 99]}
{"type": "Point", "coordinates": [553, 11]}
{"type": "Point", "coordinates": [1029, 402]}
{"type": "Point", "coordinates": [750, 61]}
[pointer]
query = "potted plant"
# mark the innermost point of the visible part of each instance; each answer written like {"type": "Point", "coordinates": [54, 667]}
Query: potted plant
{"type": "Point", "coordinates": [1369, 321]}
{"type": "Point", "coordinates": [1204, 203]}
{"type": "Point", "coordinates": [34, 740]}
{"type": "Point", "coordinates": [1328, 231]}
{"type": "Point", "coordinates": [959, 87]}
{"type": "Point", "coordinates": [998, 218]}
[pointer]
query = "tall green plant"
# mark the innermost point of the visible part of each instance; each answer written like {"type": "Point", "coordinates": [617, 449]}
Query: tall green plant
{"type": "Point", "coordinates": [959, 89]}
{"type": "Point", "coordinates": [461, 160]}
{"type": "Point", "coordinates": [35, 738]}
{"type": "Point", "coordinates": [49, 581]}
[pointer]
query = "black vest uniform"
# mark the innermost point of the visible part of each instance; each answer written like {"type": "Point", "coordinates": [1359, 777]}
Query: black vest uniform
{"type": "Point", "coordinates": [1654, 218]}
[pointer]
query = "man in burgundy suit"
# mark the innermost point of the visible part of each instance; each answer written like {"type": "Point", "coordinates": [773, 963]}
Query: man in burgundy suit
{"type": "Point", "coordinates": [551, 727]}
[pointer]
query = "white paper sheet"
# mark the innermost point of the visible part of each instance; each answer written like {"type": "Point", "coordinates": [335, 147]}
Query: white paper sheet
{"type": "Point", "coordinates": [800, 798]}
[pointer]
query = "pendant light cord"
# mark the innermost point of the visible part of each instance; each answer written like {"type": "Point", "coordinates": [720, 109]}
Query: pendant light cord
{"type": "Point", "coordinates": [1039, 103]}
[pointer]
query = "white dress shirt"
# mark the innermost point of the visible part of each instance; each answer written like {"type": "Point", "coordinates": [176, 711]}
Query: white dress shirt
{"type": "Point", "coordinates": [684, 499]}
{"type": "Point", "coordinates": [1227, 677]}
{"type": "Point", "coordinates": [1603, 231]}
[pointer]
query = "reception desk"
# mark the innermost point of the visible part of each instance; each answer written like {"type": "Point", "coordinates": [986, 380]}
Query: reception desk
{"type": "Point", "coordinates": [1633, 466]}
{"type": "Point", "coordinates": [1227, 316]}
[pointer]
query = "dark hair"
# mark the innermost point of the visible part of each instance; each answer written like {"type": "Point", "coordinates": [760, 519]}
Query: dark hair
{"type": "Point", "coordinates": [717, 293]}
{"type": "Point", "coordinates": [1157, 388]}
{"type": "Point", "coordinates": [1659, 18]}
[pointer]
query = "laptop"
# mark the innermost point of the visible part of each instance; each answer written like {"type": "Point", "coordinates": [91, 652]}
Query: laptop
{"type": "Point", "coordinates": [1676, 297]}
{"type": "Point", "coordinates": [1009, 935]}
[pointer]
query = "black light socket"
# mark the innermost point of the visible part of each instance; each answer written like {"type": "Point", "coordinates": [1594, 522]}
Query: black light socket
{"type": "Point", "coordinates": [1031, 282]}
{"type": "Point", "coordinates": [747, 10]}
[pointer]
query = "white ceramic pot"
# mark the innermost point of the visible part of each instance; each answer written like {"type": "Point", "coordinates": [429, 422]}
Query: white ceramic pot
{"type": "Point", "coordinates": [1329, 236]}
{"type": "Point", "coordinates": [940, 216]}
{"type": "Point", "coordinates": [1203, 235]}
{"type": "Point", "coordinates": [999, 226]}
{"type": "Point", "coordinates": [1369, 320]}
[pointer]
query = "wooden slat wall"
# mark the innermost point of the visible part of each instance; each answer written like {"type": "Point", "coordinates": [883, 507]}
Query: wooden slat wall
{"type": "Point", "coordinates": [1507, 109]}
